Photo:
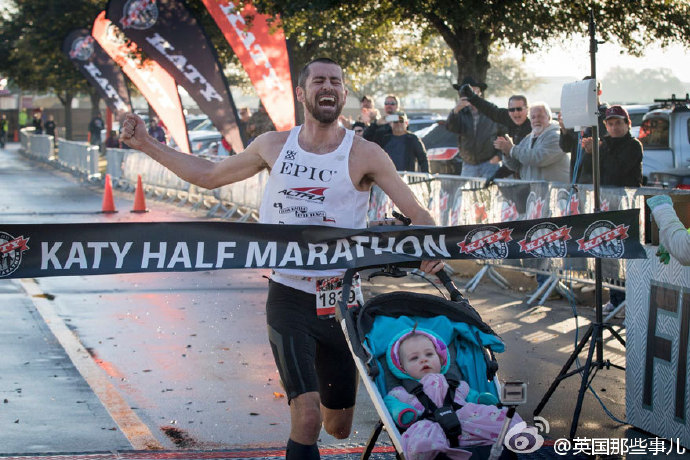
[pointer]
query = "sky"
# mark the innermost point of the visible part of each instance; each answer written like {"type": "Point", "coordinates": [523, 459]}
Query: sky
{"type": "Point", "coordinates": [572, 58]}
{"type": "Point", "coordinates": [569, 61]}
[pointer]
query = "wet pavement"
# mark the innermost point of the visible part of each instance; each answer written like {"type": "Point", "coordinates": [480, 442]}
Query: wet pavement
{"type": "Point", "coordinates": [181, 361]}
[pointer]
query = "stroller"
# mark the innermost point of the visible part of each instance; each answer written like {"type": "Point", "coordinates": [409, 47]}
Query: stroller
{"type": "Point", "coordinates": [370, 328]}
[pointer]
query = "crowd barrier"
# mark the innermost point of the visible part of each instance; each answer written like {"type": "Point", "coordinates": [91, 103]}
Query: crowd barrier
{"type": "Point", "coordinates": [452, 200]}
{"type": "Point", "coordinates": [79, 158]}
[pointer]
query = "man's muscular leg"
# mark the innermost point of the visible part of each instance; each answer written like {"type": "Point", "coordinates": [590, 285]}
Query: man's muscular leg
{"type": "Point", "coordinates": [305, 426]}
{"type": "Point", "coordinates": [338, 422]}
{"type": "Point", "coordinates": [307, 414]}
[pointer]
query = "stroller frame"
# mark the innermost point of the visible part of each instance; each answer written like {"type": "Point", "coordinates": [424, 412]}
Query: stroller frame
{"type": "Point", "coordinates": [347, 322]}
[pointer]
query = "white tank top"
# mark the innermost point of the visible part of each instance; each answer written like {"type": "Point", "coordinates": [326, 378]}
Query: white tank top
{"type": "Point", "coordinates": [307, 188]}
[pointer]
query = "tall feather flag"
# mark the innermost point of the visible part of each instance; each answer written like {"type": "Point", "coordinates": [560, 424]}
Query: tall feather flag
{"type": "Point", "coordinates": [259, 43]}
{"type": "Point", "coordinates": [101, 71]}
{"type": "Point", "coordinates": [168, 33]}
{"type": "Point", "coordinates": [154, 83]}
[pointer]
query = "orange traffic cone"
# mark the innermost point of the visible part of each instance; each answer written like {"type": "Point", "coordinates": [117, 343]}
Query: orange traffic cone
{"type": "Point", "coordinates": [108, 203]}
{"type": "Point", "coordinates": [16, 135]}
{"type": "Point", "coordinates": [139, 201]}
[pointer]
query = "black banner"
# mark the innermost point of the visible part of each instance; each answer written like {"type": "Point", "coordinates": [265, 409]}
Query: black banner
{"type": "Point", "coordinates": [31, 251]}
{"type": "Point", "coordinates": [167, 32]}
{"type": "Point", "coordinates": [99, 69]}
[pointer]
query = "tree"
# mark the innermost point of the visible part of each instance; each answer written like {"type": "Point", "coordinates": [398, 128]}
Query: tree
{"type": "Point", "coordinates": [31, 34]}
{"type": "Point", "coordinates": [626, 85]}
{"type": "Point", "coordinates": [470, 28]}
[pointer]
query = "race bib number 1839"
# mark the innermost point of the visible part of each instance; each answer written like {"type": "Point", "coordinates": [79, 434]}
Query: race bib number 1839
{"type": "Point", "coordinates": [329, 291]}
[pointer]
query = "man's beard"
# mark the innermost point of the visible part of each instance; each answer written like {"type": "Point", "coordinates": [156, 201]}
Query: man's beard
{"type": "Point", "coordinates": [319, 115]}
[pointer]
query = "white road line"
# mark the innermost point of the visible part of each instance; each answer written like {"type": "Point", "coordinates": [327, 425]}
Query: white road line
{"type": "Point", "coordinates": [131, 425]}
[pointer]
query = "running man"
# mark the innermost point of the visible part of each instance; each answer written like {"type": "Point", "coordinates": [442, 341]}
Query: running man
{"type": "Point", "coordinates": [339, 168]}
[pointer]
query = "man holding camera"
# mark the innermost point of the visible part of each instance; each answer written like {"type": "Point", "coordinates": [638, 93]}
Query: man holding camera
{"type": "Point", "coordinates": [476, 134]}
{"type": "Point", "coordinates": [378, 126]}
{"type": "Point", "coordinates": [514, 117]}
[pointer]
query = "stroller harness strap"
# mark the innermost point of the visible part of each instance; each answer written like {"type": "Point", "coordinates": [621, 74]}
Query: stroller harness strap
{"type": "Point", "coordinates": [445, 415]}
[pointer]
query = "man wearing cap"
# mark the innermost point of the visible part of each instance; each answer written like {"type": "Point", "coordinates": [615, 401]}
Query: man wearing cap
{"type": "Point", "coordinates": [476, 134]}
{"type": "Point", "coordinates": [620, 164]}
{"type": "Point", "coordinates": [404, 148]}
{"type": "Point", "coordinates": [620, 154]}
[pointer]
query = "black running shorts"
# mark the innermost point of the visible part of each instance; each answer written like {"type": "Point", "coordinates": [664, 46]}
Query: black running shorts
{"type": "Point", "coordinates": [311, 353]}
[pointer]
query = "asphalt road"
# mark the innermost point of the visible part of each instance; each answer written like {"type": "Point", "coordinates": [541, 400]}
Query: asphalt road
{"type": "Point", "coordinates": [171, 361]}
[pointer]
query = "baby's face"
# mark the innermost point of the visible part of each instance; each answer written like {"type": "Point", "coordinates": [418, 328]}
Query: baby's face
{"type": "Point", "coordinates": [418, 357]}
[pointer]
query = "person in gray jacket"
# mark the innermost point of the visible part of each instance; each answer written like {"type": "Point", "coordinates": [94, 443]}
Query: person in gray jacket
{"type": "Point", "coordinates": [538, 156]}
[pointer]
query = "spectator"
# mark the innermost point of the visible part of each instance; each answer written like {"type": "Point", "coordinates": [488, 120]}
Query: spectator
{"type": "Point", "coordinates": [476, 135]}
{"type": "Point", "coordinates": [95, 127]}
{"type": "Point", "coordinates": [51, 128]}
{"type": "Point", "coordinates": [538, 156]}
{"type": "Point", "coordinates": [4, 126]}
{"type": "Point", "coordinates": [514, 117]}
{"type": "Point", "coordinates": [672, 232]}
{"type": "Point", "coordinates": [156, 131]}
{"type": "Point", "coordinates": [620, 154]}
{"type": "Point", "coordinates": [37, 122]}
{"type": "Point", "coordinates": [379, 127]}
{"type": "Point", "coordinates": [620, 165]}
{"type": "Point", "coordinates": [367, 112]}
{"type": "Point", "coordinates": [113, 140]}
{"type": "Point", "coordinates": [23, 118]}
{"type": "Point", "coordinates": [358, 127]}
{"type": "Point", "coordinates": [259, 123]}
{"type": "Point", "coordinates": [403, 147]}
{"type": "Point", "coordinates": [569, 142]}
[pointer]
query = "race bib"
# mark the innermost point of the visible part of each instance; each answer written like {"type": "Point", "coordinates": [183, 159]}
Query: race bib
{"type": "Point", "coordinates": [329, 291]}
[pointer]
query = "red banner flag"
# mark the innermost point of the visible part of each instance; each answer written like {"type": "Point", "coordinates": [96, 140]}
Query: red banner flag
{"type": "Point", "coordinates": [154, 83]}
{"type": "Point", "coordinates": [262, 50]}
{"type": "Point", "coordinates": [170, 35]}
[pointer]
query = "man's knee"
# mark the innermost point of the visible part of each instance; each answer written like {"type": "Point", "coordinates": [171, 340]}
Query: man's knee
{"type": "Point", "coordinates": [338, 423]}
{"type": "Point", "coordinates": [306, 416]}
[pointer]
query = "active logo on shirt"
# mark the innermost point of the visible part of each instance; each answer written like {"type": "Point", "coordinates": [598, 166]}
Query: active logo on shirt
{"type": "Point", "coordinates": [311, 194]}
{"type": "Point", "coordinates": [11, 250]}
{"type": "Point", "coordinates": [306, 172]}
{"type": "Point", "coordinates": [604, 239]}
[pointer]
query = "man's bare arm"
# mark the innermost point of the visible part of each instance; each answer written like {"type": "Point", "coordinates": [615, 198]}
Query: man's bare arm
{"type": "Point", "coordinates": [191, 168]}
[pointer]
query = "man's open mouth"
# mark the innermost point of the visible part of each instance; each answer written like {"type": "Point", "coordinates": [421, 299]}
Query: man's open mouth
{"type": "Point", "coordinates": [326, 101]}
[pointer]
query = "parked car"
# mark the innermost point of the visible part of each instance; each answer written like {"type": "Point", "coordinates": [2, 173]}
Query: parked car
{"type": "Point", "coordinates": [441, 149]}
{"type": "Point", "coordinates": [674, 178]}
{"type": "Point", "coordinates": [420, 120]}
{"type": "Point", "coordinates": [203, 125]}
{"type": "Point", "coordinates": [637, 113]}
{"type": "Point", "coordinates": [194, 120]}
{"type": "Point", "coordinates": [665, 137]}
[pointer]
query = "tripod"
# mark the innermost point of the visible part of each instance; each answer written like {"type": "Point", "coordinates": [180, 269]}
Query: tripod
{"type": "Point", "coordinates": [595, 331]}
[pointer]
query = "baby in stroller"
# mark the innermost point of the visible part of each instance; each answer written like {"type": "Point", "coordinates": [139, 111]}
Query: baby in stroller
{"type": "Point", "coordinates": [438, 415]}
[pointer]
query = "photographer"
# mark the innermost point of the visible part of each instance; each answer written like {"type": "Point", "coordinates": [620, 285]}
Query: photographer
{"type": "Point", "coordinates": [379, 127]}
{"type": "Point", "coordinates": [476, 134]}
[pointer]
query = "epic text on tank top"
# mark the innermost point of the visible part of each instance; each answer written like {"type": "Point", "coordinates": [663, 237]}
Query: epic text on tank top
{"type": "Point", "coordinates": [306, 188]}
